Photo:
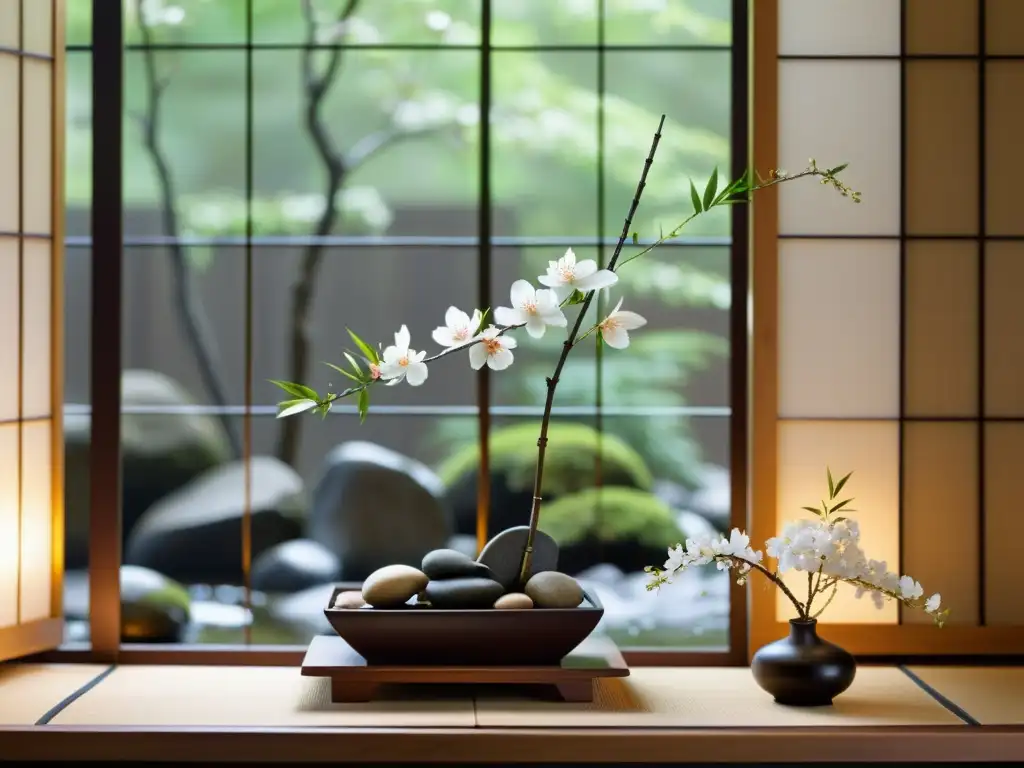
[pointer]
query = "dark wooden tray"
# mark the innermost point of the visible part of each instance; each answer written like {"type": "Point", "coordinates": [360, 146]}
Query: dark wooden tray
{"type": "Point", "coordinates": [353, 680]}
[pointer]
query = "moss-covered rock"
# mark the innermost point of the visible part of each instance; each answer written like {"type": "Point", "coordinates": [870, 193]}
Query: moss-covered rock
{"type": "Point", "coordinates": [627, 527]}
{"type": "Point", "coordinates": [570, 465]}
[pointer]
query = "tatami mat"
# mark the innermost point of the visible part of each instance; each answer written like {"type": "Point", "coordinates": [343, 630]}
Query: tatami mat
{"type": "Point", "coordinates": [991, 695]}
{"type": "Point", "coordinates": [29, 691]}
{"type": "Point", "coordinates": [249, 696]}
{"type": "Point", "coordinates": [717, 697]}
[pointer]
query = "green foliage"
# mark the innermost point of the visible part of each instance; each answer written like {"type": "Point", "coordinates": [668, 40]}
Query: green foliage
{"type": "Point", "coordinates": [569, 463]}
{"type": "Point", "coordinates": [834, 487]}
{"type": "Point", "coordinates": [610, 514]}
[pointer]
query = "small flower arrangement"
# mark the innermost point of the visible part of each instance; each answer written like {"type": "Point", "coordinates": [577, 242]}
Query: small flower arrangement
{"type": "Point", "coordinates": [567, 282]}
{"type": "Point", "coordinates": [826, 548]}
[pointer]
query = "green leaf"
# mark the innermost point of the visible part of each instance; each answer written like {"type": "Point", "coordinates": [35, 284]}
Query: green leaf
{"type": "Point", "coordinates": [323, 410]}
{"type": "Point", "coordinates": [838, 519]}
{"type": "Point", "coordinates": [837, 169]}
{"type": "Point", "coordinates": [636, 239]}
{"type": "Point", "coordinates": [831, 485]}
{"type": "Point", "coordinates": [296, 406]}
{"type": "Point", "coordinates": [366, 349]}
{"type": "Point", "coordinates": [695, 198]}
{"type": "Point", "coordinates": [840, 505]}
{"type": "Point", "coordinates": [483, 320]}
{"type": "Point", "coordinates": [824, 507]}
{"type": "Point", "coordinates": [815, 510]}
{"type": "Point", "coordinates": [710, 189]}
{"type": "Point", "coordinates": [296, 390]}
{"type": "Point", "coordinates": [364, 404]}
{"type": "Point", "coordinates": [842, 482]}
{"type": "Point", "coordinates": [354, 363]}
{"type": "Point", "coordinates": [343, 372]}
{"type": "Point", "coordinates": [577, 297]}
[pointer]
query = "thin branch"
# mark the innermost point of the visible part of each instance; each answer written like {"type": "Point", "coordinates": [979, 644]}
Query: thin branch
{"type": "Point", "coordinates": [552, 382]}
{"type": "Point", "coordinates": [369, 146]}
{"type": "Point", "coordinates": [189, 309]}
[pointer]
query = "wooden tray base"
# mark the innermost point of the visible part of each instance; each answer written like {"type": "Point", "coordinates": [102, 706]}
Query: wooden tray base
{"type": "Point", "coordinates": [353, 681]}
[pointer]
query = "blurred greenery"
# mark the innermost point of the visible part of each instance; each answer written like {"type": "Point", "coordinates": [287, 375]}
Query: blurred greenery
{"type": "Point", "coordinates": [545, 151]}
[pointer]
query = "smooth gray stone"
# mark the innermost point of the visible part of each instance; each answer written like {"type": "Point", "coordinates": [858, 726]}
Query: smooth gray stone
{"type": "Point", "coordinates": [451, 564]}
{"type": "Point", "coordinates": [393, 585]}
{"type": "Point", "coordinates": [293, 566]}
{"type": "Point", "coordinates": [551, 589]}
{"type": "Point", "coordinates": [504, 553]}
{"type": "Point", "coordinates": [463, 593]}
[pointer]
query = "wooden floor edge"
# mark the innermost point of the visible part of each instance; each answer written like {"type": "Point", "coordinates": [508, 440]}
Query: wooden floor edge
{"type": "Point", "coordinates": [605, 745]}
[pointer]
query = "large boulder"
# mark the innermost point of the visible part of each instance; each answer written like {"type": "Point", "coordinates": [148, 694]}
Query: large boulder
{"type": "Point", "coordinates": [571, 464]}
{"type": "Point", "coordinates": [161, 452]}
{"type": "Point", "coordinates": [375, 507]}
{"type": "Point", "coordinates": [195, 534]}
{"type": "Point", "coordinates": [292, 566]}
{"type": "Point", "coordinates": [625, 527]}
{"type": "Point", "coordinates": [154, 609]}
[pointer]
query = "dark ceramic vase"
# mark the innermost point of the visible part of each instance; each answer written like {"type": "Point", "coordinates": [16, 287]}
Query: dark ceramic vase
{"type": "Point", "coordinates": [803, 670]}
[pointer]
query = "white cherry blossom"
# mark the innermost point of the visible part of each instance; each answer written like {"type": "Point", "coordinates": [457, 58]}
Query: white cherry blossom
{"type": "Point", "coordinates": [931, 605]}
{"type": "Point", "coordinates": [400, 362]}
{"type": "Point", "coordinates": [458, 329]}
{"type": "Point", "coordinates": [616, 327]}
{"type": "Point", "coordinates": [536, 309]}
{"type": "Point", "coordinates": [493, 350]}
{"type": "Point", "coordinates": [567, 275]}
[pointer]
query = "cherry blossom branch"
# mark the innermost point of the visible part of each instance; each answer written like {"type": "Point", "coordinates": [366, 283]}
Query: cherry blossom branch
{"type": "Point", "coordinates": [326, 402]}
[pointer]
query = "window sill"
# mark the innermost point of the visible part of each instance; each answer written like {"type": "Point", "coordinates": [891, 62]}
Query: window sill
{"type": "Point", "coordinates": [658, 715]}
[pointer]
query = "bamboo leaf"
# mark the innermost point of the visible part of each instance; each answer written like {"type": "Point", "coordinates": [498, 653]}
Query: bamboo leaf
{"type": "Point", "coordinates": [366, 349]}
{"type": "Point", "coordinates": [840, 505]}
{"type": "Point", "coordinates": [296, 390]}
{"type": "Point", "coordinates": [831, 485]}
{"type": "Point", "coordinates": [815, 510]}
{"type": "Point", "coordinates": [300, 406]}
{"type": "Point", "coordinates": [837, 169]}
{"type": "Point", "coordinates": [842, 482]}
{"type": "Point", "coordinates": [695, 198]}
{"type": "Point", "coordinates": [710, 189]}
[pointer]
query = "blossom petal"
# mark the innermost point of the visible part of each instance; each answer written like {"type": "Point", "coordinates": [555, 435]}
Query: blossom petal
{"type": "Point", "coordinates": [615, 337]}
{"type": "Point", "coordinates": [617, 307]}
{"type": "Point", "coordinates": [601, 279]}
{"type": "Point", "coordinates": [584, 269]}
{"type": "Point", "coordinates": [477, 356]}
{"type": "Point", "coordinates": [392, 355]}
{"type": "Point", "coordinates": [535, 326]}
{"type": "Point", "coordinates": [474, 323]}
{"type": "Point", "coordinates": [569, 257]}
{"type": "Point", "coordinates": [508, 316]}
{"type": "Point", "coordinates": [546, 300]}
{"type": "Point", "coordinates": [416, 374]}
{"type": "Point", "coordinates": [521, 293]}
{"type": "Point", "coordinates": [562, 291]}
{"type": "Point", "coordinates": [500, 360]}
{"type": "Point", "coordinates": [402, 338]}
{"type": "Point", "coordinates": [509, 342]}
{"type": "Point", "coordinates": [444, 336]}
{"type": "Point", "coordinates": [551, 280]}
{"type": "Point", "coordinates": [555, 317]}
{"type": "Point", "coordinates": [630, 320]}
{"type": "Point", "coordinates": [455, 318]}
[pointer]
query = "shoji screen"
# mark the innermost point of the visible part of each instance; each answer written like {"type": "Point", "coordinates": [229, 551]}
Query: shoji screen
{"type": "Point", "coordinates": [31, 215]}
{"type": "Point", "coordinates": [889, 335]}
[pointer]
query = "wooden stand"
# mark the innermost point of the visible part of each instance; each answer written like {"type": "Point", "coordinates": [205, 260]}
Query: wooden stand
{"type": "Point", "coordinates": [353, 681]}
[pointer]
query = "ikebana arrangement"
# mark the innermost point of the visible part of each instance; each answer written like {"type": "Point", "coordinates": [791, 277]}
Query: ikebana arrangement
{"type": "Point", "coordinates": [803, 669]}
{"type": "Point", "coordinates": [517, 569]}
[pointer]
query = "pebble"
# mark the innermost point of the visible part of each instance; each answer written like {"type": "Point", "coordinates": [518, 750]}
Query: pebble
{"type": "Point", "coordinates": [463, 593]}
{"type": "Point", "coordinates": [551, 589]}
{"type": "Point", "coordinates": [513, 601]}
{"type": "Point", "coordinates": [393, 585]}
{"type": "Point", "coordinates": [452, 564]}
{"type": "Point", "coordinates": [504, 554]}
{"type": "Point", "coordinates": [349, 600]}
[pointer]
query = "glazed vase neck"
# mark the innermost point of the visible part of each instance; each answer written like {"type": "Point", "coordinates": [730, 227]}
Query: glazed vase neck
{"type": "Point", "coordinates": [803, 632]}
